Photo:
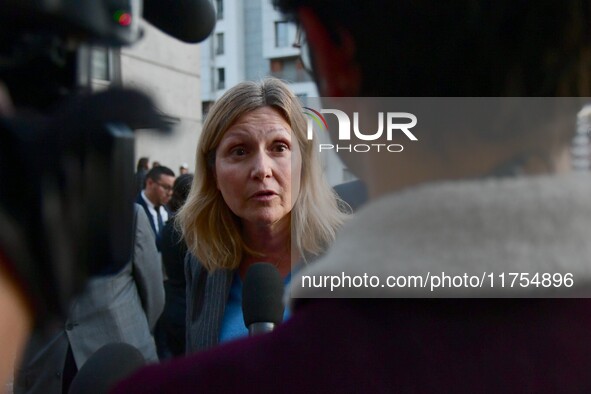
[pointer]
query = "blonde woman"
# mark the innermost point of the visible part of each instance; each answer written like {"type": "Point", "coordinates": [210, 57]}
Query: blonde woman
{"type": "Point", "coordinates": [258, 195]}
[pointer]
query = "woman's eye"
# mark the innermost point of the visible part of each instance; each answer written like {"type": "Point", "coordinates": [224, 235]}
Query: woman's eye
{"type": "Point", "coordinates": [281, 147]}
{"type": "Point", "coordinates": [239, 151]}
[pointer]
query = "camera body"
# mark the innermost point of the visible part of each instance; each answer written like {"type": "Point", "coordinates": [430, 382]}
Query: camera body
{"type": "Point", "coordinates": [110, 22]}
{"type": "Point", "coordinates": [40, 43]}
{"type": "Point", "coordinates": [67, 154]}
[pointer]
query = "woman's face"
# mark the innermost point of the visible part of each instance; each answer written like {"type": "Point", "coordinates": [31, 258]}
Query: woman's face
{"type": "Point", "coordinates": [258, 166]}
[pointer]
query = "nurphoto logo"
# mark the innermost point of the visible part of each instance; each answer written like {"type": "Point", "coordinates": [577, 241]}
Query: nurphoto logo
{"type": "Point", "coordinates": [392, 122]}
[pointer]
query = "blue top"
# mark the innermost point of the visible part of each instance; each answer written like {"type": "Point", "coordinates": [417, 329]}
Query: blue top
{"type": "Point", "coordinates": [233, 322]}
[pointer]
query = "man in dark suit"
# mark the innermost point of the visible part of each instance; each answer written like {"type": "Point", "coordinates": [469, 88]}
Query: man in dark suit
{"type": "Point", "coordinates": [155, 196]}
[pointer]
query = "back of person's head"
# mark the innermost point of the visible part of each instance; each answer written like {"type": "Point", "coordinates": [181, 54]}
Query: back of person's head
{"type": "Point", "coordinates": [465, 48]}
{"type": "Point", "coordinates": [155, 173]}
{"type": "Point", "coordinates": [180, 191]}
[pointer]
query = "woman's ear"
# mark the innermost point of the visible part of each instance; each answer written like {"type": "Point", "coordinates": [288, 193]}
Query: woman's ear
{"type": "Point", "coordinates": [337, 71]}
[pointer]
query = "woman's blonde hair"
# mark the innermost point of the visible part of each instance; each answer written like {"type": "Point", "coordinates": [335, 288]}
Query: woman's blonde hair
{"type": "Point", "coordinates": [210, 228]}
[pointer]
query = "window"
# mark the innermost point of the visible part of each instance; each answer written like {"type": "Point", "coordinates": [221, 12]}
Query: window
{"type": "Point", "coordinates": [101, 64]}
{"type": "Point", "coordinates": [221, 79]}
{"type": "Point", "coordinates": [581, 143]}
{"type": "Point", "coordinates": [219, 7]}
{"type": "Point", "coordinates": [281, 34]}
{"type": "Point", "coordinates": [276, 66]}
{"type": "Point", "coordinates": [289, 69]}
{"type": "Point", "coordinates": [219, 44]}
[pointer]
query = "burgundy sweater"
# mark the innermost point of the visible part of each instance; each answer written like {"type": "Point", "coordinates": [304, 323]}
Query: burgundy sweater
{"type": "Point", "coordinates": [396, 345]}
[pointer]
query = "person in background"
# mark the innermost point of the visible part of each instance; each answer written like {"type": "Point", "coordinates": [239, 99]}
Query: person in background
{"type": "Point", "coordinates": [258, 195]}
{"type": "Point", "coordinates": [353, 193]}
{"type": "Point", "coordinates": [155, 196]}
{"type": "Point", "coordinates": [173, 248]}
{"type": "Point", "coordinates": [184, 169]}
{"type": "Point", "coordinates": [143, 165]}
{"type": "Point", "coordinates": [156, 164]}
{"type": "Point", "coordinates": [479, 198]}
{"type": "Point", "coordinates": [122, 307]}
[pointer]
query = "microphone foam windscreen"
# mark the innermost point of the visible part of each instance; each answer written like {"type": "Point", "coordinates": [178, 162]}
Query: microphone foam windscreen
{"type": "Point", "coordinates": [262, 295]}
{"type": "Point", "coordinates": [106, 366]}
{"type": "Point", "coordinates": [190, 21]}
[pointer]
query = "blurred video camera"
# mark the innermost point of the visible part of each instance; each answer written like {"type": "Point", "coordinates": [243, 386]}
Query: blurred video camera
{"type": "Point", "coordinates": [67, 154]}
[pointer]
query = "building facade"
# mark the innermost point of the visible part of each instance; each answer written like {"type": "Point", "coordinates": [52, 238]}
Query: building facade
{"type": "Point", "coordinates": [168, 71]}
{"type": "Point", "coordinates": [252, 40]}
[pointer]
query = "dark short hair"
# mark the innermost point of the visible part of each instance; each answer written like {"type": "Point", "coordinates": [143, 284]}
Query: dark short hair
{"type": "Point", "coordinates": [465, 48]}
{"type": "Point", "coordinates": [155, 173]}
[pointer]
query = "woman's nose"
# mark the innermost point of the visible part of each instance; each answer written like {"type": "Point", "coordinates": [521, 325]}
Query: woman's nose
{"type": "Point", "coordinates": [262, 166]}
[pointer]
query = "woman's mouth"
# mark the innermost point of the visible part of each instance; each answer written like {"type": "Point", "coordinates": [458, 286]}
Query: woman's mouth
{"type": "Point", "coordinates": [264, 195]}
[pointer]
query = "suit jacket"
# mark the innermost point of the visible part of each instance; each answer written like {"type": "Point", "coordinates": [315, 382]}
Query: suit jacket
{"type": "Point", "coordinates": [139, 200]}
{"type": "Point", "coordinates": [120, 308]}
{"type": "Point", "coordinates": [395, 346]}
{"type": "Point", "coordinates": [207, 295]}
{"type": "Point", "coordinates": [173, 319]}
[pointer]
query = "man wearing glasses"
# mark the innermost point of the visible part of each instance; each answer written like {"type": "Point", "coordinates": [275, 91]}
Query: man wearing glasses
{"type": "Point", "coordinates": [155, 196]}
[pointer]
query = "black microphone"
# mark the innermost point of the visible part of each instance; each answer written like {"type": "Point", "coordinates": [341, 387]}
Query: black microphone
{"type": "Point", "coordinates": [190, 21]}
{"type": "Point", "coordinates": [262, 298]}
{"type": "Point", "coordinates": [106, 367]}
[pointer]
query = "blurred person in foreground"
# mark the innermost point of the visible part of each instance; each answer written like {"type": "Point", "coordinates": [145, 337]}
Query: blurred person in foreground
{"type": "Point", "coordinates": [258, 196]}
{"type": "Point", "coordinates": [16, 324]}
{"type": "Point", "coordinates": [502, 202]}
{"type": "Point", "coordinates": [17, 310]}
{"type": "Point", "coordinates": [123, 306]}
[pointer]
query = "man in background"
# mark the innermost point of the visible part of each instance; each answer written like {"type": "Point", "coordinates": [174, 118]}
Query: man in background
{"type": "Point", "coordinates": [155, 196]}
